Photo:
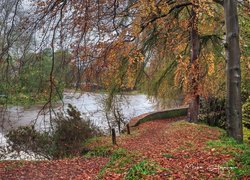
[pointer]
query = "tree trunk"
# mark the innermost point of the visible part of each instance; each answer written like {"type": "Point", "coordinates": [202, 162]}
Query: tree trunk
{"type": "Point", "coordinates": [234, 114]}
{"type": "Point", "coordinates": [195, 51]}
{"type": "Point", "coordinates": [194, 108]}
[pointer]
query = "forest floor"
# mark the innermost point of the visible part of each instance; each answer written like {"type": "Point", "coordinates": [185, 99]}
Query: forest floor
{"type": "Point", "coordinates": [160, 149]}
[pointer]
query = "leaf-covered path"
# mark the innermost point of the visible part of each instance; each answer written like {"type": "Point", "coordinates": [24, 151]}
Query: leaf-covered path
{"type": "Point", "coordinates": [77, 168]}
{"type": "Point", "coordinates": [180, 149]}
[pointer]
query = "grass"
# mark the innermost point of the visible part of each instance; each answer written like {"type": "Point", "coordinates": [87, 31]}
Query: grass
{"type": "Point", "coordinates": [130, 164]}
{"type": "Point", "coordinates": [240, 163]}
{"type": "Point", "coordinates": [119, 159]}
{"type": "Point", "coordinates": [142, 169]}
{"type": "Point", "coordinates": [99, 151]}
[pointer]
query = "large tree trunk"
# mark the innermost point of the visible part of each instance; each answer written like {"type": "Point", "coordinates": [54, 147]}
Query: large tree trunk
{"type": "Point", "coordinates": [234, 120]}
{"type": "Point", "coordinates": [195, 51]}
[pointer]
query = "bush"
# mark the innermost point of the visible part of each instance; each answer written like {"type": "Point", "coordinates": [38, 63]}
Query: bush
{"type": "Point", "coordinates": [26, 139]}
{"type": "Point", "coordinates": [67, 139]}
{"type": "Point", "coordinates": [71, 132]}
{"type": "Point", "coordinates": [246, 113]}
{"type": "Point", "coordinates": [213, 112]}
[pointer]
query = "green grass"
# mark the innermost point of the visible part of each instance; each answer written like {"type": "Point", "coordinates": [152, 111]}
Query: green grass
{"type": "Point", "coordinates": [99, 151]}
{"type": "Point", "coordinates": [142, 169]}
{"type": "Point", "coordinates": [119, 159]}
{"type": "Point", "coordinates": [130, 164]}
{"type": "Point", "coordinates": [240, 163]}
{"type": "Point", "coordinates": [27, 99]}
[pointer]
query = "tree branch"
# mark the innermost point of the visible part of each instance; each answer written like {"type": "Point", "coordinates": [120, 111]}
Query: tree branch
{"type": "Point", "coordinates": [143, 26]}
{"type": "Point", "coordinates": [221, 2]}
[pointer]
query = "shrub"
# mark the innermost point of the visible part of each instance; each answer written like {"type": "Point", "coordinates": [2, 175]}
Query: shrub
{"type": "Point", "coordinates": [212, 112]}
{"type": "Point", "coordinates": [26, 139]}
{"type": "Point", "coordinates": [246, 113]}
{"type": "Point", "coordinates": [67, 139]}
{"type": "Point", "coordinates": [71, 132]}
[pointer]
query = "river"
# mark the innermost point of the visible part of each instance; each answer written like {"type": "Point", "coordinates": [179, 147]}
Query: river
{"type": "Point", "coordinates": [87, 103]}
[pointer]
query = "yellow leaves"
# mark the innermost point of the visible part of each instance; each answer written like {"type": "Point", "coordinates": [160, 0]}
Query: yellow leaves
{"type": "Point", "coordinates": [135, 56]}
{"type": "Point", "coordinates": [181, 73]}
{"type": "Point", "coordinates": [184, 24]}
{"type": "Point", "coordinates": [164, 9]}
{"type": "Point", "coordinates": [148, 7]}
{"type": "Point", "coordinates": [210, 62]}
{"type": "Point", "coordinates": [180, 47]}
{"type": "Point", "coordinates": [122, 65]}
{"type": "Point", "coordinates": [203, 77]}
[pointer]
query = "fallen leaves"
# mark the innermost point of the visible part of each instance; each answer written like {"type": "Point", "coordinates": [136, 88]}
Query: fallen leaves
{"type": "Point", "coordinates": [77, 168]}
{"type": "Point", "coordinates": [177, 146]}
{"type": "Point", "coordinates": [180, 147]}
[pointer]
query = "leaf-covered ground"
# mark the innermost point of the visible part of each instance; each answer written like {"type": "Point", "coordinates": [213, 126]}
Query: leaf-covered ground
{"type": "Point", "coordinates": [181, 148]}
{"type": "Point", "coordinates": [162, 149]}
{"type": "Point", "coordinates": [77, 168]}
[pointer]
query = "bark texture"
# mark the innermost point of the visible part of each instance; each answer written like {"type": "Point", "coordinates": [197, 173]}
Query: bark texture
{"type": "Point", "coordinates": [195, 51]}
{"type": "Point", "coordinates": [234, 114]}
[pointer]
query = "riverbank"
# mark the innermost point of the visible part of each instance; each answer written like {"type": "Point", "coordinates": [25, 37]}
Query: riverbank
{"type": "Point", "coordinates": [28, 101]}
{"type": "Point", "coordinates": [89, 104]}
{"type": "Point", "coordinates": [160, 149]}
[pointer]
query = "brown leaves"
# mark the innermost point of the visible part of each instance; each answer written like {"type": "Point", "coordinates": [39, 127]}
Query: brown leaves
{"type": "Point", "coordinates": [180, 147]}
{"type": "Point", "coordinates": [177, 146]}
{"type": "Point", "coordinates": [77, 168]}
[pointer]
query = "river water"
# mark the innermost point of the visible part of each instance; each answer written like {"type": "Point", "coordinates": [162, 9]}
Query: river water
{"type": "Point", "coordinates": [87, 103]}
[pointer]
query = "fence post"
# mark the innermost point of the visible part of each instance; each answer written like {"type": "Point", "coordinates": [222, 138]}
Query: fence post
{"type": "Point", "coordinates": [113, 136]}
{"type": "Point", "coordinates": [128, 129]}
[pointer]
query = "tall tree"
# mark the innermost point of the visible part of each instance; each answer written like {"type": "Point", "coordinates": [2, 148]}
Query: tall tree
{"type": "Point", "coordinates": [234, 114]}
{"type": "Point", "coordinates": [118, 24]}
{"type": "Point", "coordinates": [195, 50]}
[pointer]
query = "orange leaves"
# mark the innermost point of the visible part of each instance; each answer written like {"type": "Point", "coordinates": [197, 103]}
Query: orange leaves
{"type": "Point", "coordinates": [177, 149]}
{"type": "Point", "coordinates": [77, 168]}
{"type": "Point", "coordinates": [180, 147]}
{"type": "Point", "coordinates": [204, 77]}
{"type": "Point", "coordinates": [181, 73]}
{"type": "Point", "coordinates": [210, 17]}
{"type": "Point", "coordinates": [210, 61]}
{"type": "Point", "coordinates": [122, 64]}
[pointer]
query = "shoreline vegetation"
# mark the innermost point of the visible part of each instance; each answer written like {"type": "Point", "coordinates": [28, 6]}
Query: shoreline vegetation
{"type": "Point", "coordinates": [26, 100]}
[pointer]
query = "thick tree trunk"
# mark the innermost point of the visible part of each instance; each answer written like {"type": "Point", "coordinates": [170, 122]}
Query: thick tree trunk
{"type": "Point", "coordinates": [234, 119]}
{"type": "Point", "coordinates": [194, 108]}
{"type": "Point", "coordinates": [195, 51]}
